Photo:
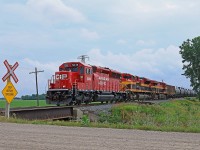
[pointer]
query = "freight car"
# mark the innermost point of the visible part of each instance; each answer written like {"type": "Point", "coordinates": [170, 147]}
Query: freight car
{"type": "Point", "coordinates": [78, 82]}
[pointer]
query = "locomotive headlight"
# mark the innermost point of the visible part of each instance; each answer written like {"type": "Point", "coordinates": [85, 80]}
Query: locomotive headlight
{"type": "Point", "coordinates": [81, 78]}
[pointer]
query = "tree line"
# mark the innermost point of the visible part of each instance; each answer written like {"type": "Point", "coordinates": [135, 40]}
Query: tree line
{"type": "Point", "coordinates": [33, 97]}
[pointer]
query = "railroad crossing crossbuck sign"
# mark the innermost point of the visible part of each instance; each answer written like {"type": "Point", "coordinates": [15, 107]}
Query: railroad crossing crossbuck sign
{"type": "Point", "coordinates": [10, 71]}
{"type": "Point", "coordinates": [9, 92]}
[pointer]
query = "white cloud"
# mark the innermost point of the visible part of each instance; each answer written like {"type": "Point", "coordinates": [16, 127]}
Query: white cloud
{"type": "Point", "coordinates": [122, 41]}
{"type": "Point", "coordinates": [145, 11]}
{"type": "Point", "coordinates": [91, 35]}
{"type": "Point", "coordinates": [47, 11]}
{"type": "Point", "coordinates": [171, 6]}
{"type": "Point", "coordinates": [55, 9]}
{"type": "Point", "coordinates": [146, 43]}
{"type": "Point", "coordinates": [50, 67]}
{"type": "Point", "coordinates": [155, 6]}
{"type": "Point", "coordinates": [160, 64]}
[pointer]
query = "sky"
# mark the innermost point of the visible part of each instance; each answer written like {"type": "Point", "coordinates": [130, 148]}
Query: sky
{"type": "Point", "coordinates": [137, 37]}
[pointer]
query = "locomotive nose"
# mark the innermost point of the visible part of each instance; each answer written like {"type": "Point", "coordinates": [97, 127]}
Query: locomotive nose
{"type": "Point", "coordinates": [64, 79]}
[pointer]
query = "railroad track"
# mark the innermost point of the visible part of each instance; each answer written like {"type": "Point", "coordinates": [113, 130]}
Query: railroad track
{"type": "Point", "coordinates": [61, 112]}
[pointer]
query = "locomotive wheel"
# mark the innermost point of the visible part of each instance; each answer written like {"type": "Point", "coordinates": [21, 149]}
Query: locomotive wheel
{"type": "Point", "coordinates": [87, 99]}
{"type": "Point", "coordinates": [70, 104]}
{"type": "Point", "coordinates": [78, 103]}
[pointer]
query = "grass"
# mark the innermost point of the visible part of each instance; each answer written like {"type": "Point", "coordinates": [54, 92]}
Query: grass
{"type": "Point", "coordinates": [175, 115]}
{"type": "Point", "coordinates": [23, 103]}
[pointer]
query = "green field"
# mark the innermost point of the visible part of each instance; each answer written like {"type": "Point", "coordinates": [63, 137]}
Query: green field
{"type": "Point", "coordinates": [23, 103]}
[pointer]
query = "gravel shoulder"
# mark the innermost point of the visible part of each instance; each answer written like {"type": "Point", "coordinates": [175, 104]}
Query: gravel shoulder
{"type": "Point", "coordinates": [41, 137]}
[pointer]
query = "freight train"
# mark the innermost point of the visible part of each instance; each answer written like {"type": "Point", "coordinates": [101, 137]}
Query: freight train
{"type": "Point", "coordinates": [77, 82]}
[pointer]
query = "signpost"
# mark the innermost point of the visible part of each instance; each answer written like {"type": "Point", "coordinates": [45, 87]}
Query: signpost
{"type": "Point", "coordinates": [9, 92]}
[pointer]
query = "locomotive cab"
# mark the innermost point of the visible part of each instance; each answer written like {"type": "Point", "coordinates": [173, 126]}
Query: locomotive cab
{"type": "Point", "coordinates": [79, 73]}
{"type": "Point", "coordinates": [71, 79]}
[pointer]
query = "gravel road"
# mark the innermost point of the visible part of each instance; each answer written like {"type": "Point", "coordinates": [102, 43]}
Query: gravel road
{"type": "Point", "coordinates": [36, 137]}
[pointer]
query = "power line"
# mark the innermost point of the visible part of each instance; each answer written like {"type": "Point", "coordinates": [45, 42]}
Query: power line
{"type": "Point", "coordinates": [36, 81]}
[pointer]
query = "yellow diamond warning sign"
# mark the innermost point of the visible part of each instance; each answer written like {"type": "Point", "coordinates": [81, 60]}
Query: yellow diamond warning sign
{"type": "Point", "coordinates": [9, 92]}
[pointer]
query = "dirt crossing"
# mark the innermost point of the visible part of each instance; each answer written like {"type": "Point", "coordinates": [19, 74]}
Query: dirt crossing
{"type": "Point", "coordinates": [41, 137]}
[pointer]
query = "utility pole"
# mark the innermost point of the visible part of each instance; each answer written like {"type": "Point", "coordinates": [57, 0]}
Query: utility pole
{"type": "Point", "coordinates": [83, 58]}
{"type": "Point", "coordinates": [36, 81]}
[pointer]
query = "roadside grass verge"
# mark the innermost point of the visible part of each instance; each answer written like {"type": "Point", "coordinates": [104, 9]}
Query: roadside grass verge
{"type": "Point", "coordinates": [172, 116]}
{"type": "Point", "coordinates": [100, 125]}
{"type": "Point", "coordinates": [175, 115]}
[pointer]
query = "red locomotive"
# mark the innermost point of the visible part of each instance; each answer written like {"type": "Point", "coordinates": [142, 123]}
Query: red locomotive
{"type": "Point", "coordinates": [77, 82]}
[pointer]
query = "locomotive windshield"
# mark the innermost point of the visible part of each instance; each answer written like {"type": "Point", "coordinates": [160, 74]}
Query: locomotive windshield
{"type": "Point", "coordinates": [72, 69]}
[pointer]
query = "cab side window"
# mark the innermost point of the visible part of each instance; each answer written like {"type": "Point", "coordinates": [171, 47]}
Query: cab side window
{"type": "Point", "coordinates": [88, 71]}
{"type": "Point", "coordinates": [82, 70]}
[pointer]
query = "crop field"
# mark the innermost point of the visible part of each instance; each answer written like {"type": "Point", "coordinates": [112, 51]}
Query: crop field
{"type": "Point", "coordinates": [23, 103]}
